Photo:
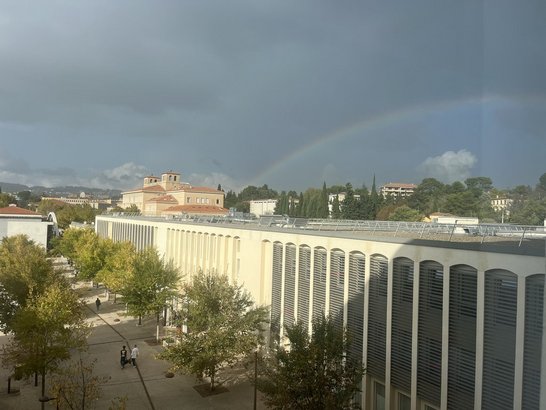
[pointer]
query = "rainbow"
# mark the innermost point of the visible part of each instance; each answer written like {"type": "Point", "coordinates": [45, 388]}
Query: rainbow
{"type": "Point", "coordinates": [376, 122]}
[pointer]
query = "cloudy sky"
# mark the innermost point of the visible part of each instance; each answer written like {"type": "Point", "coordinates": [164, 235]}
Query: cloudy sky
{"type": "Point", "coordinates": [280, 92]}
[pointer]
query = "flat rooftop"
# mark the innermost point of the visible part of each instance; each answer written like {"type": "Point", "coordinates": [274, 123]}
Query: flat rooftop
{"type": "Point", "coordinates": [502, 238]}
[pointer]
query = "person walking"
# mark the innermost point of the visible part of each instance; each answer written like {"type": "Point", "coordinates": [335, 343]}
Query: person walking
{"type": "Point", "coordinates": [123, 357]}
{"type": "Point", "coordinates": [134, 355]}
{"type": "Point", "coordinates": [97, 302]}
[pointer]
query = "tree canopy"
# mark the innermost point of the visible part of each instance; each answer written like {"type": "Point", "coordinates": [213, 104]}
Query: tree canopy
{"type": "Point", "coordinates": [315, 372]}
{"type": "Point", "coordinates": [152, 283]}
{"type": "Point", "coordinates": [118, 268]}
{"type": "Point", "coordinates": [223, 324]}
{"type": "Point", "coordinates": [25, 272]}
{"type": "Point", "coordinates": [45, 332]}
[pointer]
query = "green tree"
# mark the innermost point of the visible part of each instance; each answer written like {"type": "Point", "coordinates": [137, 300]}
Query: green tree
{"type": "Point", "coordinates": [315, 372]}
{"type": "Point", "coordinates": [311, 200]}
{"type": "Point", "coordinates": [67, 213]}
{"type": "Point", "coordinates": [118, 268]}
{"type": "Point", "coordinates": [375, 202]}
{"type": "Point", "coordinates": [68, 243]}
{"type": "Point", "coordinates": [482, 184]}
{"type": "Point", "coordinates": [461, 203]}
{"type": "Point", "coordinates": [350, 208]}
{"type": "Point", "coordinates": [283, 205]}
{"type": "Point", "coordinates": [45, 333]}
{"type": "Point", "coordinates": [223, 325]}
{"type": "Point", "coordinates": [25, 271]}
{"type": "Point", "coordinates": [75, 385]}
{"type": "Point", "coordinates": [530, 212]}
{"type": "Point", "coordinates": [322, 208]}
{"type": "Point", "coordinates": [405, 213]}
{"type": "Point", "coordinates": [426, 196]}
{"type": "Point", "coordinates": [6, 200]}
{"type": "Point", "coordinates": [90, 254]}
{"type": "Point", "coordinates": [133, 209]}
{"type": "Point", "coordinates": [153, 283]}
{"type": "Point", "coordinates": [230, 199]}
{"type": "Point", "coordinates": [251, 193]}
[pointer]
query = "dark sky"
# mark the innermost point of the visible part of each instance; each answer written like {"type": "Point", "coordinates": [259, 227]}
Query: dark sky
{"type": "Point", "coordinates": [284, 93]}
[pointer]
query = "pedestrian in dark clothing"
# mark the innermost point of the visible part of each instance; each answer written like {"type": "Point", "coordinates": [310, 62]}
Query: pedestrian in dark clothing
{"type": "Point", "coordinates": [97, 302]}
{"type": "Point", "coordinates": [123, 357]}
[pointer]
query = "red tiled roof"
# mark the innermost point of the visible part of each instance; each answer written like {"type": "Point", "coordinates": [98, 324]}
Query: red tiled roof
{"type": "Point", "coordinates": [15, 210]}
{"type": "Point", "coordinates": [197, 209]}
{"type": "Point", "coordinates": [201, 189]}
{"type": "Point", "coordinates": [164, 198]}
{"type": "Point", "coordinates": [151, 188]}
{"type": "Point", "coordinates": [399, 185]}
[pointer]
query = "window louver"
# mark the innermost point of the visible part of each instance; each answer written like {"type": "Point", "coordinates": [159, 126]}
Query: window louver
{"type": "Point", "coordinates": [355, 304]}
{"type": "Point", "coordinates": [429, 355]}
{"type": "Point", "coordinates": [402, 310]}
{"type": "Point", "coordinates": [499, 340]}
{"type": "Point", "coordinates": [319, 282]}
{"type": "Point", "coordinates": [462, 337]}
{"type": "Point", "coordinates": [337, 284]}
{"type": "Point", "coordinates": [532, 358]}
{"type": "Point", "coordinates": [377, 317]}
{"type": "Point", "coordinates": [304, 276]}
{"type": "Point", "coordinates": [276, 287]}
{"type": "Point", "coordinates": [289, 284]}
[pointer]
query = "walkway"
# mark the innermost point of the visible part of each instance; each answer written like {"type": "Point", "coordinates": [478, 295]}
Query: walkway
{"type": "Point", "coordinates": [145, 386]}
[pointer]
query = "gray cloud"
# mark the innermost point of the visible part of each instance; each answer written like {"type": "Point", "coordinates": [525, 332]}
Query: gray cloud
{"type": "Point", "coordinates": [228, 89]}
{"type": "Point", "coordinates": [450, 166]}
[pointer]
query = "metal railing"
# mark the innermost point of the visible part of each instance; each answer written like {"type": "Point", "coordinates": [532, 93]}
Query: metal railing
{"type": "Point", "coordinates": [395, 228]}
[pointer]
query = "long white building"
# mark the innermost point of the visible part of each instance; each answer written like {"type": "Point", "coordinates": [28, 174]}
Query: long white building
{"type": "Point", "coordinates": [440, 321]}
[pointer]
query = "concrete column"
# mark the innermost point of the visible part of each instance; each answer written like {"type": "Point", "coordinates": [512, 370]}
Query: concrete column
{"type": "Point", "coordinates": [388, 334]}
{"type": "Point", "coordinates": [415, 334]}
{"type": "Point", "coordinates": [520, 335]}
{"type": "Point", "coordinates": [445, 339]}
{"type": "Point", "coordinates": [366, 401]}
{"type": "Point", "coordinates": [480, 328]}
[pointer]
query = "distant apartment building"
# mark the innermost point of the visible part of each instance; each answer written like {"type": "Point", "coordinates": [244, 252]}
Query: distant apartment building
{"type": "Point", "coordinates": [168, 195]}
{"type": "Point", "coordinates": [397, 189]}
{"type": "Point", "coordinates": [82, 200]}
{"type": "Point", "coordinates": [261, 207]}
{"type": "Point", "coordinates": [502, 204]}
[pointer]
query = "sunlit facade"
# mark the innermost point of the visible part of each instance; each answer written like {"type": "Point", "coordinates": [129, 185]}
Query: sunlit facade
{"type": "Point", "coordinates": [438, 324]}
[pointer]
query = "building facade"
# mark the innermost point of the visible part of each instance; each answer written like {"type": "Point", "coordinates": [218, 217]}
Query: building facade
{"type": "Point", "coordinates": [92, 202]}
{"type": "Point", "coordinates": [261, 207]}
{"type": "Point", "coordinates": [397, 189]}
{"type": "Point", "coordinates": [168, 195]}
{"type": "Point", "coordinates": [20, 221]}
{"type": "Point", "coordinates": [438, 324]}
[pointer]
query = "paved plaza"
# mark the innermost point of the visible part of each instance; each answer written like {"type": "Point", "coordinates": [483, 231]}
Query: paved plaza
{"type": "Point", "coordinates": [145, 386]}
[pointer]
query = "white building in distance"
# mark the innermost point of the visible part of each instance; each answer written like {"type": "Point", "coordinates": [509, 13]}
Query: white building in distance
{"type": "Point", "coordinates": [18, 221]}
{"type": "Point", "coordinates": [397, 189]}
{"type": "Point", "coordinates": [261, 207]}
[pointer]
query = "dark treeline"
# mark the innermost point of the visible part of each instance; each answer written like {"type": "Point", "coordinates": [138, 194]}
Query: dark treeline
{"type": "Point", "coordinates": [471, 198]}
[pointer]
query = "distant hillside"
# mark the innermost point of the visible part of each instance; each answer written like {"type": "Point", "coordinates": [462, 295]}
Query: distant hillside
{"type": "Point", "coordinates": [12, 188]}
{"type": "Point", "coordinates": [60, 191]}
